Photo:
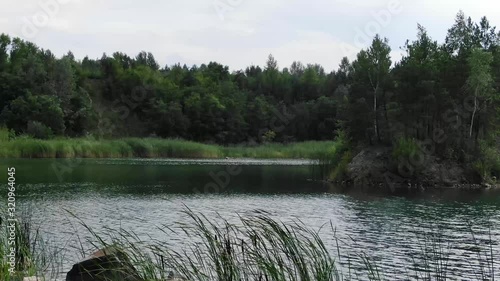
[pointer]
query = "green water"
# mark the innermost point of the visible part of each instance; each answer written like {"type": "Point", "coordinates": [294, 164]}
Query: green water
{"type": "Point", "coordinates": [138, 195]}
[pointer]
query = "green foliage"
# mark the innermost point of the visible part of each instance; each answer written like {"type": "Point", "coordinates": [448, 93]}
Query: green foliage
{"type": "Point", "coordinates": [333, 161]}
{"type": "Point", "coordinates": [28, 147]}
{"type": "Point", "coordinates": [450, 90]}
{"type": "Point", "coordinates": [39, 130]}
{"type": "Point", "coordinates": [405, 149]}
{"type": "Point", "coordinates": [42, 109]}
{"type": "Point", "coordinates": [269, 136]}
{"type": "Point", "coordinates": [33, 254]}
{"type": "Point", "coordinates": [488, 163]}
{"type": "Point", "coordinates": [259, 247]}
{"type": "Point", "coordinates": [4, 134]}
{"type": "Point", "coordinates": [340, 170]}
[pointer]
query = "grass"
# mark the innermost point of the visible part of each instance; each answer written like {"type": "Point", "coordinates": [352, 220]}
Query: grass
{"type": "Point", "coordinates": [334, 160]}
{"type": "Point", "coordinates": [254, 248]}
{"type": "Point", "coordinates": [258, 247]}
{"type": "Point", "coordinates": [405, 148]}
{"type": "Point", "coordinates": [26, 147]}
{"type": "Point", "coordinates": [34, 257]}
{"type": "Point", "coordinates": [4, 134]}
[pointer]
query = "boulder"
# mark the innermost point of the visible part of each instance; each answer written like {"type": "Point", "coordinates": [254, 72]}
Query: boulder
{"type": "Point", "coordinates": [104, 265]}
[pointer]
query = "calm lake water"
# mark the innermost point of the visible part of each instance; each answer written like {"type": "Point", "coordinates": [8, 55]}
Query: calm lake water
{"type": "Point", "coordinates": [138, 195]}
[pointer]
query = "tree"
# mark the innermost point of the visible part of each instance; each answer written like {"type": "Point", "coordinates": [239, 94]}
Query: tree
{"type": "Point", "coordinates": [480, 79]}
{"type": "Point", "coordinates": [297, 68]}
{"type": "Point", "coordinates": [372, 69]}
{"type": "Point", "coordinates": [460, 37]}
{"type": "Point", "coordinates": [4, 52]}
{"type": "Point", "coordinates": [371, 99]}
{"type": "Point", "coordinates": [43, 109]}
{"type": "Point", "coordinates": [147, 59]}
{"type": "Point", "coordinates": [418, 95]}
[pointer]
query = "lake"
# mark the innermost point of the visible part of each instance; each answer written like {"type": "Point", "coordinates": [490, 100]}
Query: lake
{"type": "Point", "coordinates": [141, 194]}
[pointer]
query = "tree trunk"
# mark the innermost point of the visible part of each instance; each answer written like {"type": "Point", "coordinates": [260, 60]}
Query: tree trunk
{"type": "Point", "coordinates": [375, 119]}
{"type": "Point", "coordinates": [473, 114]}
{"type": "Point", "coordinates": [386, 116]}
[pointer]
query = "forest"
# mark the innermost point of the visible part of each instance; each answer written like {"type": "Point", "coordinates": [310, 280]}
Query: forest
{"type": "Point", "coordinates": [447, 94]}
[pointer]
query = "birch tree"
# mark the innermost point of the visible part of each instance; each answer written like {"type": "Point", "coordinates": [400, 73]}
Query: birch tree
{"type": "Point", "coordinates": [480, 80]}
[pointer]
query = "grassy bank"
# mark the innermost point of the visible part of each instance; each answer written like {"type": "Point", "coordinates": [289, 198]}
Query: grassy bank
{"type": "Point", "coordinates": [154, 148]}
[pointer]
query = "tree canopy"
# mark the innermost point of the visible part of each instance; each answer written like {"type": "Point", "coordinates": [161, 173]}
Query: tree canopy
{"type": "Point", "coordinates": [450, 89]}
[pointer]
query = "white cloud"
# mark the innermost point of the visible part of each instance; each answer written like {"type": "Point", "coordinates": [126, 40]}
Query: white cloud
{"type": "Point", "coordinates": [316, 31]}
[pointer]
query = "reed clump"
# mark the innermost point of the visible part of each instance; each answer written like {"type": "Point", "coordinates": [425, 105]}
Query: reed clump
{"type": "Point", "coordinates": [28, 147]}
{"type": "Point", "coordinates": [259, 247]}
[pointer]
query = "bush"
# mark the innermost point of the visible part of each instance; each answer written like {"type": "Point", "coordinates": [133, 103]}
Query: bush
{"type": "Point", "coordinates": [4, 134]}
{"type": "Point", "coordinates": [405, 148]}
{"type": "Point", "coordinates": [334, 161]}
{"type": "Point", "coordinates": [488, 163]}
{"type": "Point", "coordinates": [269, 136]}
{"type": "Point", "coordinates": [39, 130]}
{"type": "Point", "coordinates": [40, 108]}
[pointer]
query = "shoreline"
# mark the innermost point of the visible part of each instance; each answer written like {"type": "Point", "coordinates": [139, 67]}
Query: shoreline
{"type": "Point", "coordinates": [148, 148]}
{"type": "Point", "coordinates": [371, 166]}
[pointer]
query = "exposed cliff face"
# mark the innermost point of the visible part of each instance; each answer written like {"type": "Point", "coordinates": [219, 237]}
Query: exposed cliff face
{"type": "Point", "coordinates": [375, 166]}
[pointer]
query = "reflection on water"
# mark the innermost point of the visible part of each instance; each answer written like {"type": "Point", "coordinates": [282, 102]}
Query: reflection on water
{"type": "Point", "coordinates": [138, 195]}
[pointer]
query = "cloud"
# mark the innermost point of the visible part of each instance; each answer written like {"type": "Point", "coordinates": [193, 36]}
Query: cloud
{"type": "Point", "coordinates": [193, 31]}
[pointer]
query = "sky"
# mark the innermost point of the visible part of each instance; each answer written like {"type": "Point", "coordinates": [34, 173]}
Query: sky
{"type": "Point", "coordinates": [236, 33]}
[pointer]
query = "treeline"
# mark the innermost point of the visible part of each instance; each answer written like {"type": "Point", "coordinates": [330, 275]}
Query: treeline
{"type": "Point", "coordinates": [447, 93]}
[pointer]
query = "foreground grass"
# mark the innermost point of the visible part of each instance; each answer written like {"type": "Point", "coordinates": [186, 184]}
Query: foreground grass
{"type": "Point", "coordinates": [257, 247]}
{"type": "Point", "coordinates": [154, 148]}
{"type": "Point", "coordinates": [34, 257]}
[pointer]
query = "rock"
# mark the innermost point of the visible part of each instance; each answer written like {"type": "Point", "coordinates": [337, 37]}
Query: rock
{"type": "Point", "coordinates": [369, 166]}
{"type": "Point", "coordinates": [105, 264]}
{"type": "Point", "coordinates": [373, 166]}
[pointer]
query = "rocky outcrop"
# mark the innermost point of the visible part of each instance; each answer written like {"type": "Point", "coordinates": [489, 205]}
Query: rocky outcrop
{"type": "Point", "coordinates": [369, 166]}
{"type": "Point", "coordinates": [106, 264]}
{"type": "Point", "coordinates": [374, 166]}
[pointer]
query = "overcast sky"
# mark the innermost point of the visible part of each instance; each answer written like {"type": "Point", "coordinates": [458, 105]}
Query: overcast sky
{"type": "Point", "coordinates": [237, 33]}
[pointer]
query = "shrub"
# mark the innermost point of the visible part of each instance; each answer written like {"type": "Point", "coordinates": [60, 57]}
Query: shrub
{"type": "Point", "coordinates": [39, 130]}
{"type": "Point", "coordinates": [405, 148]}
{"type": "Point", "coordinates": [334, 161]}
{"type": "Point", "coordinates": [4, 134]}
{"type": "Point", "coordinates": [269, 136]}
{"type": "Point", "coordinates": [488, 163]}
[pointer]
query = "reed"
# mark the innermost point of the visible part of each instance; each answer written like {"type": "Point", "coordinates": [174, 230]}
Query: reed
{"type": "Point", "coordinates": [254, 248]}
{"type": "Point", "coordinates": [259, 247]}
{"type": "Point", "coordinates": [34, 255]}
{"type": "Point", "coordinates": [26, 147]}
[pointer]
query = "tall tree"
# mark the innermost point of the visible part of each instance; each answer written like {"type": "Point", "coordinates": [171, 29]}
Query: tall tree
{"type": "Point", "coordinates": [480, 80]}
{"type": "Point", "coordinates": [372, 67]}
